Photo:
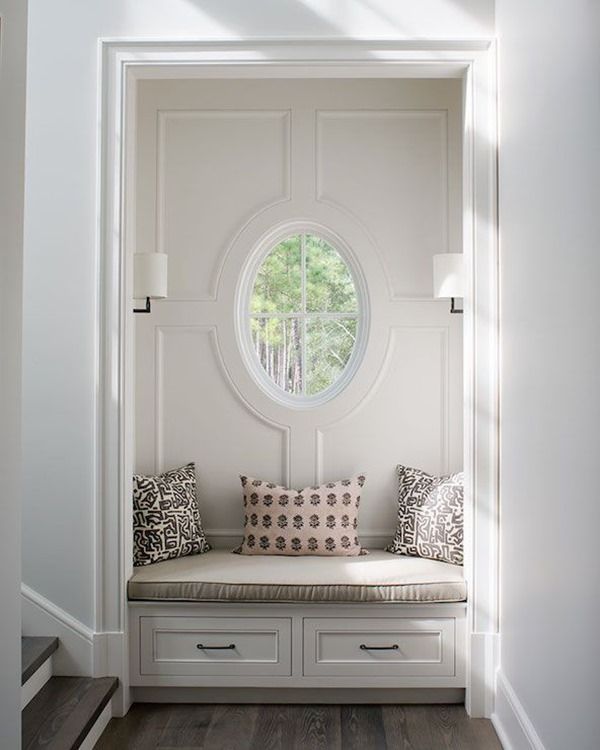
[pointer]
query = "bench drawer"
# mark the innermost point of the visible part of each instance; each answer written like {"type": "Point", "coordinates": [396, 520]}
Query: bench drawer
{"type": "Point", "coordinates": [215, 646]}
{"type": "Point", "coordinates": [379, 647]}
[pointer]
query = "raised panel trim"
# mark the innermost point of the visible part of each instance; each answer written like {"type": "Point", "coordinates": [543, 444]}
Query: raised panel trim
{"type": "Point", "coordinates": [393, 626]}
{"type": "Point", "coordinates": [211, 330]}
{"type": "Point", "coordinates": [444, 332]}
{"type": "Point", "coordinates": [223, 537]}
{"type": "Point", "coordinates": [398, 632]}
{"type": "Point", "coordinates": [182, 630]}
{"type": "Point", "coordinates": [162, 118]}
{"type": "Point", "coordinates": [441, 114]}
{"type": "Point", "coordinates": [210, 631]}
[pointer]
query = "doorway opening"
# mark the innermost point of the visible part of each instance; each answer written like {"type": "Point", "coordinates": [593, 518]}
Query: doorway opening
{"type": "Point", "coordinates": [126, 68]}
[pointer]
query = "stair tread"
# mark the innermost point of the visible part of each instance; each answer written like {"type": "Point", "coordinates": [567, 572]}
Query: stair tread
{"type": "Point", "coordinates": [34, 652]}
{"type": "Point", "coordinates": [63, 712]}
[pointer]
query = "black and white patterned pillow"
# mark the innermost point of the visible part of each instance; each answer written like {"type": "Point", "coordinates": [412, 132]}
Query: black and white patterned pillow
{"type": "Point", "coordinates": [430, 516]}
{"type": "Point", "coordinates": [166, 518]}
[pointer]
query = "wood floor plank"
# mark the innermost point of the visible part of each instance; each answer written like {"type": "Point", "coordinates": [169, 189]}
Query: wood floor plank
{"type": "Point", "coordinates": [445, 723]}
{"type": "Point", "coordinates": [141, 729]}
{"type": "Point", "coordinates": [231, 727]}
{"type": "Point", "coordinates": [316, 727]}
{"type": "Point", "coordinates": [452, 729]}
{"type": "Point", "coordinates": [362, 727]}
{"type": "Point", "coordinates": [478, 734]}
{"type": "Point", "coordinates": [274, 728]}
{"type": "Point", "coordinates": [297, 727]}
{"type": "Point", "coordinates": [407, 727]}
{"type": "Point", "coordinates": [187, 727]}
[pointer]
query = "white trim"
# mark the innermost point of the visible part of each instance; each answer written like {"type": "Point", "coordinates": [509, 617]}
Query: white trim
{"type": "Point", "coordinates": [81, 651]}
{"type": "Point", "coordinates": [126, 61]}
{"type": "Point", "coordinates": [36, 682]}
{"type": "Point", "coordinates": [510, 720]}
{"type": "Point", "coordinates": [311, 695]}
{"type": "Point", "coordinates": [483, 651]}
{"type": "Point", "coordinates": [99, 726]}
{"type": "Point", "coordinates": [62, 617]}
{"type": "Point", "coordinates": [75, 654]}
{"type": "Point", "coordinates": [257, 255]}
{"type": "Point", "coordinates": [221, 538]}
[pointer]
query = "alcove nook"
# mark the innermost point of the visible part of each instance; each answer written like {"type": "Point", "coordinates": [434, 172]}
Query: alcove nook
{"type": "Point", "coordinates": [356, 163]}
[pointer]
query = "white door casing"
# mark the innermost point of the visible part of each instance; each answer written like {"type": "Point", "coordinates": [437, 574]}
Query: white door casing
{"type": "Point", "coordinates": [126, 63]}
{"type": "Point", "coordinates": [222, 165]}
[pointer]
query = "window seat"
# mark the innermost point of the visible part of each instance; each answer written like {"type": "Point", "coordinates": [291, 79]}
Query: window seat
{"type": "Point", "coordinates": [219, 576]}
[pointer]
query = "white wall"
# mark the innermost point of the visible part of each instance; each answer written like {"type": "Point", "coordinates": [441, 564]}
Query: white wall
{"type": "Point", "coordinates": [60, 270]}
{"type": "Point", "coordinates": [13, 45]}
{"type": "Point", "coordinates": [550, 405]}
{"type": "Point", "coordinates": [221, 163]}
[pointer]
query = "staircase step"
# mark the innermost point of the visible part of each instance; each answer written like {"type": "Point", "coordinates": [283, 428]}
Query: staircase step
{"type": "Point", "coordinates": [34, 652]}
{"type": "Point", "coordinates": [63, 712]}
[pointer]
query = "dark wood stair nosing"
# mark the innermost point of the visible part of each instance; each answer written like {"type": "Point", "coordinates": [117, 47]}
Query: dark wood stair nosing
{"type": "Point", "coordinates": [62, 714]}
{"type": "Point", "coordinates": [34, 652]}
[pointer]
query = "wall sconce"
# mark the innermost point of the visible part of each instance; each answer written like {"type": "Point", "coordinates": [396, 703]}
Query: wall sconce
{"type": "Point", "coordinates": [149, 278]}
{"type": "Point", "coordinates": [448, 278]}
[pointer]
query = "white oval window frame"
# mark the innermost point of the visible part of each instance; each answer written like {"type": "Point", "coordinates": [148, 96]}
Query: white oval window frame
{"type": "Point", "coordinates": [265, 245]}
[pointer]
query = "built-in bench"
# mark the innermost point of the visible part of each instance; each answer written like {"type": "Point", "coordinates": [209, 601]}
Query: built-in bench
{"type": "Point", "coordinates": [226, 620]}
{"type": "Point", "coordinates": [220, 576]}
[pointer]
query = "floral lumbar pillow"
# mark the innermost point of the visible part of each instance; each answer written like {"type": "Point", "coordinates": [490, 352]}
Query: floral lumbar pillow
{"type": "Point", "coordinates": [313, 521]}
{"type": "Point", "coordinates": [166, 518]}
{"type": "Point", "coordinates": [430, 516]}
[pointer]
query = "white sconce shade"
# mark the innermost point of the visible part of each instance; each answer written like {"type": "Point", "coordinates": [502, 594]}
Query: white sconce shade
{"type": "Point", "coordinates": [150, 275]}
{"type": "Point", "coordinates": [448, 275]}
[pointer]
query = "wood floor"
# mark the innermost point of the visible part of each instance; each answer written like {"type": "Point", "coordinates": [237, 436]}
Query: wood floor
{"type": "Point", "coordinates": [243, 727]}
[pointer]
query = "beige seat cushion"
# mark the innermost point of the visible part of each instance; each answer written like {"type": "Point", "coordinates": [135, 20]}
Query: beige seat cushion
{"type": "Point", "coordinates": [220, 575]}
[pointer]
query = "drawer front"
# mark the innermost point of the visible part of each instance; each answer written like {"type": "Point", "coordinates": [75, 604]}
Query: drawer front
{"type": "Point", "coordinates": [379, 647]}
{"type": "Point", "coordinates": [215, 646]}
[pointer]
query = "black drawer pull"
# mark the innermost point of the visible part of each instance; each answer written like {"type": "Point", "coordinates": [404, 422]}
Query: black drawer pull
{"type": "Point", "coordinates": [364, 647]}
{"type": "Point", "coordinates": [203, 647]}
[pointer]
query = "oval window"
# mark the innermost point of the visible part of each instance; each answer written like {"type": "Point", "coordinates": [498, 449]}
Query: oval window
{"type": "Point", "coordinates": [304, 316]}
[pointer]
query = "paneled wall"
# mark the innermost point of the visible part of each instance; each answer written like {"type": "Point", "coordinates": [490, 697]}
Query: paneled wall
{"type": "Point", "coordinates": [222, 163]}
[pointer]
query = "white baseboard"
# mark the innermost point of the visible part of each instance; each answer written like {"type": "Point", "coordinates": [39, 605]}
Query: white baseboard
{"type": "Point", "coordinates": [298, 695]}
{"type": "Point", "coordinates": [111, 658]}
{"type": "Point", "coordinates": [483, 655]}
{"type": "Point", "coordinates": [75, 655]}
{"type": "Point", "coordinates": [81, 651]}
{"type": "Point", "coordinates": [512, 725]}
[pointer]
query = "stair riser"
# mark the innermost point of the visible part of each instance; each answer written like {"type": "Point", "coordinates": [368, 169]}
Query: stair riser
{"type": "Point", "coordinates": [36, 682]}
{"type": "Point", "coordinates": [99, 726]}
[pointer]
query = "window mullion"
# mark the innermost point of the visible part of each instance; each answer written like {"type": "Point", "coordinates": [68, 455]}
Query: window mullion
{"type": "Point", "coordinates": [308, 315]}
{"type": "Point", "coordinates": [298, 319]}
{"type": "Point", "coordinates": [303, 330]}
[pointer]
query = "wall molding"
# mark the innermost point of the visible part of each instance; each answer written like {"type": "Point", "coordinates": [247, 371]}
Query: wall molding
{"type": "Point", "coordinates": [209, 330]}
{"type": "Point", "coordinates": [163, 116]}
{"type": "Point", "coordinates": [81, 651]}
{"type": "Point", "coordinates": [381, 374]}
{"type": "Point", "coordinates": [321, 115]}
{"type": "Point", "coordinates": [510, 720]}
{"type": "Point", "coordinates": [41, 617]}
{"type": "Point", "coordinates": [222, 538]}
{"type": "Point", "coordinates": [483, 649]}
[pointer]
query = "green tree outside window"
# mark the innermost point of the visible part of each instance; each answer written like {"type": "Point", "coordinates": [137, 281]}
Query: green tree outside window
{"type": "Point", "coordinates": [304, 315]}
